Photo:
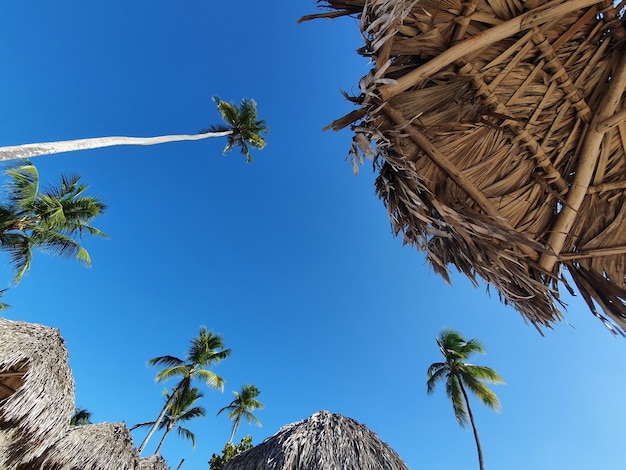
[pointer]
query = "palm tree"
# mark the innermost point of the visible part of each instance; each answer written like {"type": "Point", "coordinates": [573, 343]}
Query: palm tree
{"type": "Point", "coordinates": [242, 406]}
{"type": "Point", "coordinates": [182, 409]}
{"type": "Point", "coordinates": [80, 417]}
{"type": "Point", "coordinates": [207, 350]}
{"type": "Point", "coordinates": [50, 220]}
{"type": "Point", "coordinates": [460, 376]}
{"type": "Point", "coordinates": [242, 129]}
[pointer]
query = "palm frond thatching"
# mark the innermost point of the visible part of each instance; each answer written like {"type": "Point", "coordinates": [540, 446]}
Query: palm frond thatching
{"type": "Point", "coordinates": [36, 390]}
{"type": "Point", "coordinates": [498, 132]}
{"type": "Point", "coordinates": [324, 440]}
{"type": "Point", "coordinates": [104, 446]}
{"type": "Point", "coordinates": [154, 462]}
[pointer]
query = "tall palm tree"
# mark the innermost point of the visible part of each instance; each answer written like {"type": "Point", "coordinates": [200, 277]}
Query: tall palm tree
{"type": "Point", "coordinates": [460, 376]}
{"type": "Point", "coordinates": [242, 406]}
{"type": "Point", "coordinates": [206, 350]}
{"type": "Point", "coordinates": [50, 220]}
{"type": "Point", "coordinates": [242, 129]}
{"type": "Point", "coordinates": [182, 409]}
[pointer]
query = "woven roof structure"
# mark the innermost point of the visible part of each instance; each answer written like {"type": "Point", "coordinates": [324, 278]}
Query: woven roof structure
{"type": "Point", "coordinates": [154, 462]}
{"type": "Point", "coordinates": [36, 390]}
{"type": "Point", "coordinates": [323, 441]}
{"type": "Point", "coordinates": [104, 446]}
{"type": "Point", "coordinates": [497, 128]}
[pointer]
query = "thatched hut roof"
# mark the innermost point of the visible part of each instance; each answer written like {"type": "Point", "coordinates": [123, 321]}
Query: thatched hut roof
{"type": "Point", "coordinates": [104, 446]}
{"type": "Point", "coordinates": [154, 462]}
{"type": "Point", "coordinates": [323, 441]}
{"type": "Point", "coordinates": [498, 131]}
{"type": "Point", "coordinates": [36, 389]}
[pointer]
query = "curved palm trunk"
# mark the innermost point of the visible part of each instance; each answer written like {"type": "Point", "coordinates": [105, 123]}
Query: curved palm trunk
{"type": "Point", "coordinates": [48, 148]}
{"type": "Point", "coordinates": [167, 431]}
{"type": "Point", "coordinates": [232, 435]}
{"type": "Point", "coordinates": [481, 463]}
{"type": "Point", "coordinates": [167, 405]}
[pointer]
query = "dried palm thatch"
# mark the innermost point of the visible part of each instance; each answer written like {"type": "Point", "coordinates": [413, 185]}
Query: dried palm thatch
{"type": "Point", "coordinates": [498, 131]}
{"type": "Point", "coordinates": [104, 446]}
{"type": "Point", "coordinates": [36, 390]}
{"type": "Point", "coordinates": [154, 462]}
{"type": "Point", "coordinates": [323, 441]}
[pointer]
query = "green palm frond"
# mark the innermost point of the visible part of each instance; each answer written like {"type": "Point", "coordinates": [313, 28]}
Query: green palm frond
{"type": "Point", "coordinates": [187, 434]}
{"type": "Point", "coordinates": [483, 373]}
{"type": "Point", "coordinates": [453, 390]}
{"type": "Point", "coordinates": [176, 371]}
{"type": "Point", "coordinates": [482, 392]}
{"type": "Point", "coordinates": [435, 375]}
{"type": "Point", "coordinates": [23, 185]}
{"type": "Point", "coordinates": [211, 379]}
{"type": "Point", "coordinates": [166, 361]}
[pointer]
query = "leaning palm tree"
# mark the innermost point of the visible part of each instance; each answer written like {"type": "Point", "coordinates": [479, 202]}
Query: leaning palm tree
{"type": "Point", "coordinates": [182, 409]}
{"type": "Point", "coordinates": [242, 406]}
{"type": "Point", "coordinates": [207, 350]}
{"type": "Point", "coordinates": [460, 376]}
{"type": "Point", "coordinates": [50, 220]}
{"type": "Point", "coordinates": [242, 128]}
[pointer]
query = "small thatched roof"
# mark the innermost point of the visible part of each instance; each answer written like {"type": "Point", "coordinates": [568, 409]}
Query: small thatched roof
{"type": "Point", "coordinates": [323, 441]}
{"type": "Point", "coordinates": [36, 389]}
{"type": "Point", "coordinates": [154, 462]}
{"type": "Point", "coordinates": [498, 129]}
{"type": "Point", "coordinates": [104, 446]}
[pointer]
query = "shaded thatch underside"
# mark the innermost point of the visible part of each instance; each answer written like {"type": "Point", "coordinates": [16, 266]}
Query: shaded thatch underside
{"type": "Point", "coordinates": [497, 128]}
{"type": "Point", "coordinates": [323, 441]}
{"type": "Point", "coordinates": [36, 389]}
{"type": "Point", "coordinates": [154, 462]}
{"type": "Point", "coordinates": [104, 446]}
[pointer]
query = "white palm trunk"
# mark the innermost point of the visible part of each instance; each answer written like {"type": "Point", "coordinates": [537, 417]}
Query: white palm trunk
{"type": "Point", "coordinates": [48, 148]}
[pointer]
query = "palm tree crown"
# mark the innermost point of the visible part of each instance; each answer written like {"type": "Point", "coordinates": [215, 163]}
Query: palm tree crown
{"type": "Point", "coordinates": [245, 127]}
{"type": "Point", "coordinates": [206, 350]}
{"type": "Point", "coordinates": [242, 406]}
{"type": "Point", "coordinates": [49, 220]}
{"type": "Point", "coordinates": [460, 376]}
{"type": "Point", "coordinates": [182, 409]}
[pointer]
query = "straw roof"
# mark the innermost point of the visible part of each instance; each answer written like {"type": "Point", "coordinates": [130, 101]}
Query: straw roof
{"type": "Point", "coordinates": [323, 441]}
{"type": "Point", "coordinates": [36, 389]}
{"type": "Point", "coordinates": [104, 446]}
{"type": "Point", "coordinates": [497, 128]}
{"type": "Point", "coordinates": [154, 462]}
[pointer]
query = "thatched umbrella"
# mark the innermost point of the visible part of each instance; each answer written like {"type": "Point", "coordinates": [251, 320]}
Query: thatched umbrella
{"type": "Point", "coordinates": [498, 131]}
{"type": "Point", "coordinates": [154, 462]}
{"type": "Point", "coordinates": [104, 446]}
{"type": "Point", "coordinates": [36, 389]}
{"type": "Point", "coordinates": [323, 441]}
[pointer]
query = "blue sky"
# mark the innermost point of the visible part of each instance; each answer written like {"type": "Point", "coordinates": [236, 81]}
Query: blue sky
{"type": "Point", "coordinates": [290, 258]}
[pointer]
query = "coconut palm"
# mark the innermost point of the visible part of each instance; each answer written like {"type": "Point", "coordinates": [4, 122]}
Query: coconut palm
{"type": "Point", "coordinates": [206, 350]}
{"type": "Point", "coordinates": [80, 417]}
{"type": "Point", "coordinates": [182, 409]}
{"type": "Point", "coordinates": [50, 220]}
{"type": "Point", "coordinates": [242, 129]}
{"type": "Point", "coordinates": [460, 376]}
{"type": "Point", "coordinates": [242, 406]}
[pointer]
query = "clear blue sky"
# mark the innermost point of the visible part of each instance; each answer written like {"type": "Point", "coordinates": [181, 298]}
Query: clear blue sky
{"type": "Point", "coordinates": [290, 258]}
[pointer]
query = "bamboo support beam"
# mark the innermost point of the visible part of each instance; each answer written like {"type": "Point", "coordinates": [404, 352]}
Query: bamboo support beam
{"type": "Point", "coordinates": [549, 12]}
{"type": "Point", "coordinates": [612, 251]}
{"type": "Point", "coordinates": [589, 154]}
{"type": "Point", "coordinates": [455, 174]}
